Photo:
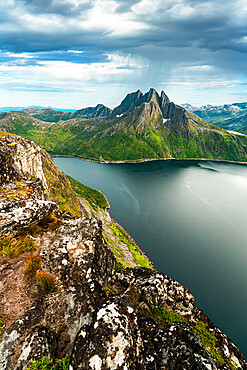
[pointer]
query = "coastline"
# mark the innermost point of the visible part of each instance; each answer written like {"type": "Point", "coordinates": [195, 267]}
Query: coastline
{"type": "Point", "coordinates": [149, 160]}
{"type": "Point", "coordinates": [143, 161]}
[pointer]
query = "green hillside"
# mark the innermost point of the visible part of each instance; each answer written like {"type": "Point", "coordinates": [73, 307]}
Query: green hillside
{"type": "Point", "coordinates": [140, 133]}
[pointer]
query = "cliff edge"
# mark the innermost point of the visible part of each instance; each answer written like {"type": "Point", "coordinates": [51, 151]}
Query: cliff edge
{"type": "Point", "coordinates": [73, 288]}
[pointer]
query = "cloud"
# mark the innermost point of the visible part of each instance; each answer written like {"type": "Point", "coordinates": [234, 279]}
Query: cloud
{"type": "Point", "coordinates": [123, 41]}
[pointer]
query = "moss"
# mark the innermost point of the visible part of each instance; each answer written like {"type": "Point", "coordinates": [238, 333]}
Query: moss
{"type": "Point", "coordinates": [47, 364]}
{"type": "Point", "coordinates": [120, 266]}
{"type": "Point", "coordinates": [161, 315]}
{"type": "Point", "coordinates": [210, 342]}
{"type": "Point", "coordinates": [110, 290]}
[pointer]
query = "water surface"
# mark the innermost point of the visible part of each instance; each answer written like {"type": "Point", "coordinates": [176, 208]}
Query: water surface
{"type": "Point", "coordinates": [191, 219]}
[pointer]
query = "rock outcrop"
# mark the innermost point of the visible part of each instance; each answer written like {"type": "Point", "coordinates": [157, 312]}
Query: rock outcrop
{"type": "Point", "coordinates": [99, 316]}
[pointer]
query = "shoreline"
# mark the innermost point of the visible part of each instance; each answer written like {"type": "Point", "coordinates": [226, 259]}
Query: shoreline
{"type": "Point", "coordinates": [136, 162]}
{"type": "Point", "coordinates": [149, 160]}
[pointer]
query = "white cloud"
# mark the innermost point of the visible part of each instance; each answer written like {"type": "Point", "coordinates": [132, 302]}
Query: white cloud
{"type": "Point", "coordinates": [60, 72]}
{"type": "Point", "coordinates": [20, 55]}
{"type": "Point", "coordinates": [199, 68]}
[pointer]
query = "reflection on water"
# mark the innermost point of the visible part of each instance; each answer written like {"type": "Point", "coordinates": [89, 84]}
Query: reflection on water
{"type": "Point", "coordinates": [190, 217]}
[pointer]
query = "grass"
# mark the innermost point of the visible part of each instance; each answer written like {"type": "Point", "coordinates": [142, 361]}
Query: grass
{"type": "Point", "coordinates": [93, 196]}
{"type": "Point", "coordinates": [47, 364]}
{"type": "Point", "coordinates": [161, 315]}
{"type": "Point", "coordinates": [33, 264]}
{"type": "Point", "coordinates": [50, 222]}
{"type": "Point", "coordinates": [13, 247]}
{"type": "Point", "coordinates": [123, 237]}
{"type": "Point", "coordinates": [46, 282]}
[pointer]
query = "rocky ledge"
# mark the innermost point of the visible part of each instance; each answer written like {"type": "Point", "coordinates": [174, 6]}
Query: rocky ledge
{"type": "Point", "coordinates": [97, 315]}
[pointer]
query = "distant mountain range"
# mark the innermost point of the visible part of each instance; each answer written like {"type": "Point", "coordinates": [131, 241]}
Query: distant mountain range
{"type": "Point", "coordinates": [9, 109]}
{"type": "Point", "coordinates": [228, 116]}
{"type": "Point", "coordinates": [51, 115]}
{"type": "Point", "coordinates": [144, 126]}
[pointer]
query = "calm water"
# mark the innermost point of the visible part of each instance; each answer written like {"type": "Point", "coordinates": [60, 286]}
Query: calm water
{"type": "Point", "coordinates": [191, 219]}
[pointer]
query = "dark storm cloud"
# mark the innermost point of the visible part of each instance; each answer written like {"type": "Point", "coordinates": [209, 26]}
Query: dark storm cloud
{"type": "Point", "coordinates": [204, 28]}
{"type": "Point", "coordinates": [161, 31]}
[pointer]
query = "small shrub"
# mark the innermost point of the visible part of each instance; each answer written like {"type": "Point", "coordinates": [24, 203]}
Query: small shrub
{"type": "Point", "coordinates": [46, 364]}
{"type": "Point", "coordinates": [46, 281]}
{"type": "Point", "coordinates": [33, 265]}
{"type": "Point", "coordinates": [14, 246]}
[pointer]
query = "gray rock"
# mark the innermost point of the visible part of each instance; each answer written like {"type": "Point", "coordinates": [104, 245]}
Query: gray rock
{"type": "Point", "coordinates": [17, 215]}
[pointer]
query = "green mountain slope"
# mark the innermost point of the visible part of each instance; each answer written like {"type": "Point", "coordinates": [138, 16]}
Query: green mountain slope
{"type": "Point", "coordinates": [143, 126]}
{"type": "Point", "coordinates": [51, 115]}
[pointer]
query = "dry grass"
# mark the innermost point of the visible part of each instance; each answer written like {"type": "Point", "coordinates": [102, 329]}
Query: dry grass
{"type": "Point", "coordinates": [13, 247]}
{"type": "Point", "coordinates": [46, 282]}
{"type": "Point", "coordinates": [33, 265]}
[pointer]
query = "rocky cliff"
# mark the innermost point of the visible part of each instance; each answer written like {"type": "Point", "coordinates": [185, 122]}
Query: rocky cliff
{"type": "Point", "coordinates": [65, 295]}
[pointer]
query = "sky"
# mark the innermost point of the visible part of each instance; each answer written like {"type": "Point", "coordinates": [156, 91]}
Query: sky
{"type": "Point", "coordinates": [78, 53]}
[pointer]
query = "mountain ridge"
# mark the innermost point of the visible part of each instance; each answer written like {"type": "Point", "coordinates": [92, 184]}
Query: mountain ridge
{"type": "Point", "coordinates": [143, 127]}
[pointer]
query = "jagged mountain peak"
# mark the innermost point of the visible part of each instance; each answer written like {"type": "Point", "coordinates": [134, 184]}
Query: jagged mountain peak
{"type": "Point", "coordinates": [135, 99]}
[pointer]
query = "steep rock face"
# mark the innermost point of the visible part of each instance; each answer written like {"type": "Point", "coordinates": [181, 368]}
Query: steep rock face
{"type": "Point", "coordinates": [134, 100]}
{"type": "Point", "coordinates": [22, 159]}
{"type": "Point", "coordinates": [99, 317]}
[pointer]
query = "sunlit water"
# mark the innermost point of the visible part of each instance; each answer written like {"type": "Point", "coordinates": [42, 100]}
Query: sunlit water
{"type": "Point", "coordinates": [191, 219]}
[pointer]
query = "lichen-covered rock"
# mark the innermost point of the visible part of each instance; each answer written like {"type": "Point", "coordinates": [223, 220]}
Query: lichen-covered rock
{"type": "Point", "coordinates": [40, 342]}
{"type": "Point", "coordinates": [156, 289]}
{"type": "Point", "coordinates": [17, 215]}
{"type": "Point", "coordinates": [177, 347]}
{"type": "Point", "coordinates": [182, 350]}
{"type": "Point", "coordinates": [113, 340]}
{"type": "Point", "coordinates": [11, 337]}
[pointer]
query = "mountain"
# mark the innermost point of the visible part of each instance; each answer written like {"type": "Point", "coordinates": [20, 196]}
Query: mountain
{"type": "Point", "coordinates": [51, 115]}
{"type": "Point", "coordinates": [75, 288]}
{"type": "Point", "coordinates": [144, 126]}
{"type": "Point", "coordinates": [33, 107]}
{"type": "Point", "coordinates": [227, 116]}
